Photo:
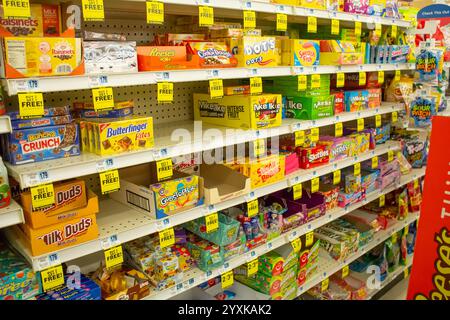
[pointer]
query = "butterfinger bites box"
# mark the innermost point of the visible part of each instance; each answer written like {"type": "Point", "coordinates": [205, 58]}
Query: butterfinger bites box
{"type": "Point", "coordinates": [258, 52]}
{"type": "Point", "coordinates": [239, 111]}
{"type": "Point", "coordinates": [264, 171]}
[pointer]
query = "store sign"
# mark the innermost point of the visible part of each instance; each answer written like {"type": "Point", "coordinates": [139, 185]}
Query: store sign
{"type": "Point", "coordinates": [430, 275]}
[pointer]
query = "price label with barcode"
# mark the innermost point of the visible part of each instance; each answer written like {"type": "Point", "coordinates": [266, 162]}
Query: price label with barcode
{"type": "Point", "coordinates": [103, 98]}
{"type": "Point", "coordinates": [155, 12]}
{"type": "Point", "coordinates": [93, 10]}
{"type": "Point", "coordinates": [31, 105]}
{"type": "Point", "coordinates": [164, 169]}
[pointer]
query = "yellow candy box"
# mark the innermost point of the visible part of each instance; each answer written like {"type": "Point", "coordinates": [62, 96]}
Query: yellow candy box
{"type": "Point", "coordinates": [265, 170]}
{"type": "Point", "coordinates": [258, 52]}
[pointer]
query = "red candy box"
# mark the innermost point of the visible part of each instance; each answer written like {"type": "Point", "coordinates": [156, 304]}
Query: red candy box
{"type": "Point", "coordinates": [314, 156]}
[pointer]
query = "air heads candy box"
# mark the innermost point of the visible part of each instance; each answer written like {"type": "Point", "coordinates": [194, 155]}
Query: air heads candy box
{"type": "Point", "coordinates": [257, 52]}
{"type": "Point", "coordinates": [242, 112]}
{"type": "Point", "coordinates": [41, 144]}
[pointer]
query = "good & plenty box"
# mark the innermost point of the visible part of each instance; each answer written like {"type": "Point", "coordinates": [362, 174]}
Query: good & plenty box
{"type": "Point", "coordinates": [240, 111]}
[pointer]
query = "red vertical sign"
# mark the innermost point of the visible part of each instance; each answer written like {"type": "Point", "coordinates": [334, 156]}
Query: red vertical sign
{"type": "Point", "coordinates": [430, 276]}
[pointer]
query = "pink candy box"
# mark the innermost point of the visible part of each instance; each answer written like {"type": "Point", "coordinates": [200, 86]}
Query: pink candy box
{"type": "Point", "coordinates": [339, 147]}
{"type": "Point", "coordinates": [292, 163]}
{"type": "Point", "coordinates": [356, 6]}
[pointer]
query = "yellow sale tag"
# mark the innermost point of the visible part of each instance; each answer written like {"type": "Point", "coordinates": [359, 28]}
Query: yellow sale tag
{"type": "Point", "coordinates": [42, 196]}
{"type": "Point", "coordinates": [380, 77]}
{"type": "Point", "coordinates": [302, 82]}
{"type": "Point", "coordinates": [345, 271]}
{"type": "Point", "coordinates": [378, 120]}
{"type": "Point", "coordinates": [259, 147]}
{"type": "Point", "coordinates": [166, 238]}
{"type": "Point", "coordinates": [378, 30]}
{"type": "Point", "coordinates": [299, 138]}
{"type": "Point", "coordinates": [334, 26]}
{"type": "Point", "coordinates": [406, 230]}
{"type": "Point", "coordinates": [109, 181]}
{"type": "Point", "coordinates": [155, 12]}
{"type": "Point", "coordinates": [52, 278]}
{"type": "Point", "coordinates": [360, 124]}
{"type": "Point", "coordinates": [315, 133]}
{"type": "Point", "coordinates": [362, 78]}
{"type": "Point", "coordinates": [382, 201]}
{"type": "Point", "coordinates": [212, 222]}
{"type": "Point", "coordinates": [252, 267]}
{"type": "Point", "coordinates": [216, 88]}
{"type": "Point", "coordinates": [315, 185]}
{"type": "Point", "coordinates": [164, 169]}
{"type": "Point", "coordinates": [103, 98]}
{"type": "Point", "coordinates": [338, 129]}
{"type": "Point", "coordinates": [416, 183]}
{"type": "Point", "coordinates": [93, 10]}
{"type": "Point", "coordinates": [312, 24]}
{"type": "Point", "coordinates": [205, 16]}
{"type": "Point", "coordinates": [252, 208]}
{"type": "Point", "coordinates": [165, 92]}
{"type": "Point", "coordinates": [374, 162]}
{"type": "Point", "coordinates": [337, 177]}
{"type": "Point", "coordinates": [281, 22]}
{"type": "Point", "coordinates": [390, 156]}
{"type": "Point", "coordinates": [340, 80]}
{"type": "Point", "coordinates": [113, 257]}
{"type": "Point", "coordinates": [394, 237]}
{"type": "Point", "coordinates": [394, 31]}
{"type": "Point", "coordinates": [296, 245]}
{"type": "Point", "coordinates": [394, 117]}
{"type": "Point", "coordinates": [227, 279]}
{"type": "Point", "coordinates": [398, 74]}
{"type": "Point", "coordinates": [357, 169]}
{"type": "Point", "coordinates": [325, 284]}
{"type": "Point", "coordinates": [357, 28]}
{"type": "Point", "coordinates": [315, 81]}
{"type": "Point", "coordinates": [297, 191]}
{"type": "Point", "coordinates": [31, 105]}
{"type": "Point", "coordinates": [256, 85]}
{"type": "Point", "coordinates": [406, 273]}
{"type": "Point", "coordinates": [16, 9]}
{"type": "Point", "coordinates": [249, 19]}
{"type": "Point", "coordinates": [309, 239]}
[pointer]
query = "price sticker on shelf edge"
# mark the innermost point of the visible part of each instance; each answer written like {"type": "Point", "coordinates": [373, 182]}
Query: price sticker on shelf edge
{"type": "Point", "coordinates": [315, 184]}
{"type": "Point", "coordinates": [315, 81]}
{"type": "Point", "coordinates": [325, 284]}
{"type": "Point", "coordinates": [299, 138]}
{"type": "Point", "coordinates": [93, 10]}
{"type": "Point", "coordinates": [216, 88]}
{"type": "Point", "coordinates": [398, 75]}
{"type": "Point", "coordinates": [52, 278]}
{"type": "Point", "coordinates": [109, 181]}
{"type": "Point", "coordinates": [31, 105]}
{"type": "Point", "coordinates": [259, 147]}
{"type": "Point", "coordinates": [227, 279]}
{"type": "Point", "coordinates": [345, 271]}
{"type": "Point", "coordinates": [255, 85]}
{"type": "Point", "coordinates": [360, 124]}
{"type": "Point", "coordinates": [357, 169]}
{"type": "Point", "coordinates": [16, 9]}
{"type": "Point", "coordinates": [378, 120]}
{"type": "Point", "coordinates": [297, 191]}
{"type": "Point", "coordinates": [296, 245]}
{"type": "Point", "coordinates": [212, 222]}
{"type": "Point", "coordinates": [113, 257]}
{"type": "Point", "coordinates": [334, 26]}
{"type": "Point", "coordinates": [281, 22]}
{"type": "Point", "coordinates": [378, 29]}
{"type": "Point", "coordinates": [309, 239]}
{"type": "Point", "coordinates": [394, 117]}
{"type": "Point", "coordinates": [167, 238]}
{"type": "Point", "coordinates": [375, 162]}
{"type": "Point", "coordinates": [252, 267]}
{"type": "Point", "coordinates": [103, 98]}
{"type": "Point", "coordinates": [340, 80]}
{"type": "Point", "coordinates": [165, 92]}
{"type": "Point", "coordinates": [315, 133]}
{"type": "Point", "coordinates": [337, 177]}
{"type": "Point", "coordinates": [362, 78]}
{"type": "Point", "coordinates": [338, 129]}
{"type": "Point", "coordinates": [312, 24]}
{"type": "Point", "coordinates": [390, 156]}
{"type": "Point", "coordinates": [382, 201]}
{"type": "Point", "coordinates": [206, 16]}
{"type": "Point", "coordinates": [302, 82]}
{"type": "Point", "coordinates": [380, 77]}
{"type": "Point", "coordinates": [358, 28]}
{"type": "Point", "coordinates": [155, 12]}
{"type": "Point", "coordinates": [406, 230]}
{"type": "Point", "coordinates": [164, 169]}
{"type": "Point", "coordinates": [42, 196]}
{"type": "Point", "coordinates": [249, 19]}
{"type": "Point", "coordinates": [252, 208]}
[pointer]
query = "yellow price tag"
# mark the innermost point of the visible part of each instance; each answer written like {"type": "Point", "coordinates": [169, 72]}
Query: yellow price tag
{"type": "Point", "coordinates": [52, 278]}
{"type": "Point", "coordinates": [312, 24]}
{"type": "Point", "coordinates": [42, 196]}
{"type": "Point", "coordinates": [155, 12]}
{"type": "Point", "coordinates": [358, 28]}
{"type": "Point", "coordinates": [103, 98]}
{"type": "Point", "coordinates": [113, 257]}
{"type": "Point", "coordinates": [380, 77]}
{"type": "Point", "coordinates": [325, 284]}
{"type": "Point", "coordinates": [337, 177]}
{"type": "Point", "coordinates": [299, 138]}
{"type": "Point", "coordinates": [360, 124]}
{"type": "Point", "coordinates": [382, 201]}
{"type": "Point", "coordinates": [406, 230]}
{"type": "Point", "coordinates": [256, 85]}
{"type": "Point", "coordinates": [394, 117]}
{"type": "Point", "coordinates": [252, 267]}
{"type": "Point", "coordinates": [357, 169]}
{"type": "Point", "coordinates": [297, 191]}
{"type": "Point", "coordinates": [378, 30]}
{"type": "Point", "coordinates": [394, 237]}
{"type": "Point", "coordinates": [398, 75]}
{"type": "Point", "coordinates": [406, 273]}
{"type": "Point", "coordinates": [362, 78]}
{"type": "Point", "coordinates": [338, 129]}
{"type": "Point", "coordinates": [315, 184]}
{"type": "Point", "coordinates": [378, 120]}
{"type": "Point", "coordinates": [416, 183]}
{"type": "Point", "coordinates": [109, 181]}
{"type": "Point", "coordinates": [315, 134]}
{"type": "Point", "coordinates": [374, 162]}
{"type": "Point", "coordinates": [227, 279]}
{"type": "Point", "coordinates": [390, 156]}
{"type": "Point", "coordinates": [315, 81]}
{"type": "Point", "coordinates": [281, 22]}
{"type": "Point", "coordinates": [16, 9]}
{"type": "Point", "coordinates": [345, 271]}
{"type": "Point", "coordinates": [259, 147]}
{"type": "Point", "coordinates": [216, 88]}
{"type": "Point", "coordinates": [334, 26]}
{"type": "Point", "coordinates": [93, 10]}
{"type": "Point", "coordinates": [212, 222]}
{"type": "Point", "coordinates": [165, 92]}
{"type": "Point", "coordinates": [394, 31]}
{"type": "Point", "coordinates": [249, 19]}
{"type": "Point", "coordinates": [296, 245]}
{"type": "Point", "coordinates": [205, 16]}
{"type": "Point", "coordinates": [302, 82]}
{"type": "Point", "coordinates": [31, 105]}
{"type": "Point", "coordinates": [166, 238]}
{"type": "Point", "coordinates": [164, 169]}
{"type": "Point", "coordinates": [309, 239]}
{"type": "Point", "coordinates": [252, 208]}
{"type": "Point", "coordinates": [340, 80]}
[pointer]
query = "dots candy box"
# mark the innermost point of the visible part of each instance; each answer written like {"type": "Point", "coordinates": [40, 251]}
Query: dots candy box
{"type": "Point", "coordinates": [257, 52]}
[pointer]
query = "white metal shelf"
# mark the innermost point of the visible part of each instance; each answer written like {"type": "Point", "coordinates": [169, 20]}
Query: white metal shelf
{"type": "Point", "coordinates": [5, 124]}
{"type": "Point", "coordinates": [61, 169]}
{"type": "Point", "coordinates": [11, 215]}
{"type": "Point", "coordinates": [66, 83]}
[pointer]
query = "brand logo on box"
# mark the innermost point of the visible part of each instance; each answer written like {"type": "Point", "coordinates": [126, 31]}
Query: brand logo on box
{"type": "Point", "coordinates": [69, 231]}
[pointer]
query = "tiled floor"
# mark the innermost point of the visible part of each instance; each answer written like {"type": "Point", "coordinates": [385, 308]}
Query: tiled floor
{"type": "Point", "coordinates": [398, 292]}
